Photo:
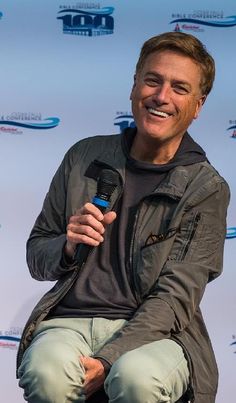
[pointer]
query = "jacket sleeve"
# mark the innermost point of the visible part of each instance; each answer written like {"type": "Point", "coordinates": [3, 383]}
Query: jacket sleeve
{"type": "Point", "coordinates": [195, 258]}
{"type": "Point", "coordinates": [48, 236]}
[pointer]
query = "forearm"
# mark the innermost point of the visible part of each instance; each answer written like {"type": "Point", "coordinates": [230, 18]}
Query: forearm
{"type": "Point", "coordinates": [45, 258]}
{"type": "Point", "coordinates": [153, 321]}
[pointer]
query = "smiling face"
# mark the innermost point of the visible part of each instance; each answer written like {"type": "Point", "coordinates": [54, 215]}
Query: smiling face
{"type": "Point", "coordinates": [166, 97]}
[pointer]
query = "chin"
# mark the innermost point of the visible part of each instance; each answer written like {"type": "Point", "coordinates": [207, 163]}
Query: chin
{"type": "Point", "coordinates": [154, 133]}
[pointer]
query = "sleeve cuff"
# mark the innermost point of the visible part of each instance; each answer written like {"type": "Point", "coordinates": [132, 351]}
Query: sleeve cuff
{"type": "Point", "coordinates": [105, 364]}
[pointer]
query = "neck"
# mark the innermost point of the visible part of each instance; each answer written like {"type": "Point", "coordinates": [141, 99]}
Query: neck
{"type": "Point", "coordinates": [153, 150]}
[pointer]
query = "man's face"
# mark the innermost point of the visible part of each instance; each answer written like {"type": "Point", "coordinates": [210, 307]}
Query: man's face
{"type": "Point", "coordinates": [166, 96]}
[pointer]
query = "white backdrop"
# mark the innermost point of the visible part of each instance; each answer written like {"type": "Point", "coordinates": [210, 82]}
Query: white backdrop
{"type": "Point", "coordinates": [81, 84]}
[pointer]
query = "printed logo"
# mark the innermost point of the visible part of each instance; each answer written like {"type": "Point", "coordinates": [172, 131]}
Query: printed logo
{"type": "Point", "coordinates": [232, 128]}
{"type": "Point", "coordinates": [233, 342]}
{"type": "Point", "coordinates": [1, 15]}
{"type": "Point", "coordinates": [10, 338]}
{"type": "Point", "coordinates": [197, 19]}
{"type": "Point", "coordinates": [87, 19]}
{"type": "Point", "coordinates": [231, 233]}
{"type": "Point", "coordinates": [16, 121]}
{"type": "Point", "coordinates": [124, 120]}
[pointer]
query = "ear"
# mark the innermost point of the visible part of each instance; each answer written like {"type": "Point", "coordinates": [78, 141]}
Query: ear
{"type": "Point", "coordinates": [199, 105]}
{"type": "Point", "coordinates": [133, 87]}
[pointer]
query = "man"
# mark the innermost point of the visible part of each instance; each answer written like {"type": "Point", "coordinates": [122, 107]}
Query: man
{"type": "Point", "coordinates": [128, 316]}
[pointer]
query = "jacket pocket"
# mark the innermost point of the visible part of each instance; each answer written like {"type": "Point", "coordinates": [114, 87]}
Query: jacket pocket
{"type": "Point", "coordinates": [152, 258]}
{"type": "Point", "coordinates": [185, 236]}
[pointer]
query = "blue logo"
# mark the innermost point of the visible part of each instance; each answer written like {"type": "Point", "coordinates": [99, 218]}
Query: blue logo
{"type": "Point", "coordinates": [10, 338]}
{"type": "Point", "coordinates": [0, 15]}
{"type": "Point", "coordinates": [233, 343]}
{"type": "Point", "coordinates": [233, 128]}
{"type": "Point", "coordinates": [191, 22]}
{"type": "Point", "coordinates": [26, 120]}
{"type": "Point", "coordinates": [231, 233]}
{"type": "Point", "coordinates": [49, 123]}
{"type": "Point", "coordinates": [124, 120]}
{"type": "Point", "coordinates": [92, 22]}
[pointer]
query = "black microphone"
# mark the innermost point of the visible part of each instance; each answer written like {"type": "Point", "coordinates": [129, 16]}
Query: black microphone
{"type": "Point", "coordinates": [106, 184]}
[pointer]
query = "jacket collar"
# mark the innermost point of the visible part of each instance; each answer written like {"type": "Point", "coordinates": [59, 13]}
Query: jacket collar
{"type": "Point", "coordinates": [174, 185]}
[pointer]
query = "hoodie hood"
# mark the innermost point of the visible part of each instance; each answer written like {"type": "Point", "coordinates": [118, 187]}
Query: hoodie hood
{"type": "Point", "coordinates": [189, 152]}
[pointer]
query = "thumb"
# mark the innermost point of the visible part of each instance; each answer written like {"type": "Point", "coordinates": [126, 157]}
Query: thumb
{"type": "Point", "coordinates": [83, 361]}
{"type": "Point", "coordinates": [109, 217]}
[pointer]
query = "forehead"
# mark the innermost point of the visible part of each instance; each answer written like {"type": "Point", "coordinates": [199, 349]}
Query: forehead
{"type": "Point", "coordinates": [172, 64]}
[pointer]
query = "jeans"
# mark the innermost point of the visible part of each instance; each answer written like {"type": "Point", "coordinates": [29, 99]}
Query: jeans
{"type": "Point", "coordinates": [50, 371]}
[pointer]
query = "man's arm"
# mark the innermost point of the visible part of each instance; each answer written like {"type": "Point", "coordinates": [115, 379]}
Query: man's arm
{"type": "Point", "coordinates": [48, 236]}
{"type": "Point", "coordinates": [54, 237]}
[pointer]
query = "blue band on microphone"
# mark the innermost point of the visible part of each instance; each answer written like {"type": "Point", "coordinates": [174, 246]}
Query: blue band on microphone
{"type": "Point", "coordinates": [100, 202]}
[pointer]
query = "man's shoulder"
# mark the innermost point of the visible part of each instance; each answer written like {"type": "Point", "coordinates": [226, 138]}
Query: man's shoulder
{"type": "Point", "coordinates": [92, 147]}
{"type": "Point", "coordinates": [211, 171]}
{"type": "Point", "coordinates": [98, 140]}
{"type": "Point", "coordinates": [200, 177]}
{"type": "Point", "coordinates": [94, 144]}
{"type": "Point", "coordinates": [205, 179]}
{"type": "Point", "coordinates": [203, 169]}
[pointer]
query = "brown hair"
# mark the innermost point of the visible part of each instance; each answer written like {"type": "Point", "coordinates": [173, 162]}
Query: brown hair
{"type": "Point", "coordinates": [187, 45]}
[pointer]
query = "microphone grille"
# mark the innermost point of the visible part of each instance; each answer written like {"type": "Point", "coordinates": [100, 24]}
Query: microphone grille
{"type": "Point", "coordinates": [107, 182]}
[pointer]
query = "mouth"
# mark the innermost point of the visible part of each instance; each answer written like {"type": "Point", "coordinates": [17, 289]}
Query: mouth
{"type": "Point", "coordinates": [159, 113]}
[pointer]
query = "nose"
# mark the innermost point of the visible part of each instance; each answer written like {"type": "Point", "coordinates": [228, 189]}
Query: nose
{"type": "Point", "coordinates": [162, 94]}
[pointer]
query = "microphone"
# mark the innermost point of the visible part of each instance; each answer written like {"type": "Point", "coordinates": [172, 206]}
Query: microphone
{"type": "Point", "coordinates": [106, 184]}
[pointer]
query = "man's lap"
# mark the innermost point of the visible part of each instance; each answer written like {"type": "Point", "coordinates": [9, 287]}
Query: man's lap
{"type": "Point", "coordinates": [58, 343]}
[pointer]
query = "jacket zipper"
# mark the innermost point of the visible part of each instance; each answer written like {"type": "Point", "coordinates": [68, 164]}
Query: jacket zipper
{"type": "Point", "coordinates": [192, 233]}
{"type": "Point", "coordinates": [132, 271]}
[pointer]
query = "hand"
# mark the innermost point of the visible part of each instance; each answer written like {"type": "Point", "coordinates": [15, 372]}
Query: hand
{"type": "Point", "coordinates": [94, 375]}
{"type": "Point", "coordinates": [87, 226]}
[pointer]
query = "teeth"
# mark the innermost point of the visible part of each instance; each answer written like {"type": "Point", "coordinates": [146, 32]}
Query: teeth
{"type": "Point", "coordinates": [158, 113]}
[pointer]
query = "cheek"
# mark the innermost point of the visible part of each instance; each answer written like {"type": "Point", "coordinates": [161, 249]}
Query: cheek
{"type": "Point", "coordinates": [190, 111]}
{"type": "Point", "coordinates": [140, 92]}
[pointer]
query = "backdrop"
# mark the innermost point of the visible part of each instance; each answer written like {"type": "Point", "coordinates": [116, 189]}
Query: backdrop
{"type": "Point", "coordinates": [66, 72]}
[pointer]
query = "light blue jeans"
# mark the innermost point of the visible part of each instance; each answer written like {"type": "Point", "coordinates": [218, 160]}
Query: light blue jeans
{"type": "Point", "coordinates": [50, 371]}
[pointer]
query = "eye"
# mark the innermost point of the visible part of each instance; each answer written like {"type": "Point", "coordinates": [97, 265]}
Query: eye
{"type": "Point", "coordinates": [180, 89]}
{"type": "Point", "coordinates": [152, 81]}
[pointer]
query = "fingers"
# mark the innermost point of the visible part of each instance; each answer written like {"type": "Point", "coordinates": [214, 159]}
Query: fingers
{"type": "Point", "coordinates": [88, 225]}
{"type": "Point", "coordinates": [94, 375]}
{"type": "Point", "coordinates": [109, 217]}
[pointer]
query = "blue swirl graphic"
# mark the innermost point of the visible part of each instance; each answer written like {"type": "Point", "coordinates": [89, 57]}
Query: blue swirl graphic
{"type": "Point", "coordinates": [226, 23]}
{"type": "Point", "coordinates": [103, 11]}
{"type": "Point", "coordinates": [10, 338]}
{"type": "Point", "coordinates": [231, 233]}
{"type": "Point", "coordinates": [232, 344]}
{"type": "Point", "coordinates": [52, 122]}
{"type": "Point", "coordinates": [231, 127]}
{"type": "Point", "coordinates": [124, 116]}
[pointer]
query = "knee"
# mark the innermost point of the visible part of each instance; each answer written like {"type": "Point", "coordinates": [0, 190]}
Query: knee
{"type": "Point", "coordinates": [40, 384]}
{"type": "Point", "coordinates": [130, 378]}
{"type": "Point", "coordinates": [52, 379]}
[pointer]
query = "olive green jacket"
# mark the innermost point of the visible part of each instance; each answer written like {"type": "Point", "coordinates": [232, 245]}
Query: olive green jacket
{"type": "Point", "coordinates": [187, 215]}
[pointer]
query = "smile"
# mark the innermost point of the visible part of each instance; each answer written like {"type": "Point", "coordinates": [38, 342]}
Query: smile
{"type": "Point", "coordinates": [158, 113]}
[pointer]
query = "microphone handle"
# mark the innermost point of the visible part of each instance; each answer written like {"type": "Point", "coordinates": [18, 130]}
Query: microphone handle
{"type": "Point", "coordinates": [83, 250]}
